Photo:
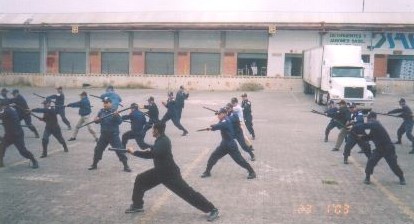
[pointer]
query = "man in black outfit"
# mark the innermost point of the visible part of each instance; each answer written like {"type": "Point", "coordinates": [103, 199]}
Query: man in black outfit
{"type": "Point", "coordinates": [14, 134]}
{"type": "Point", "coordinates": [23, 110]}
{"type": "Point", "coordinates": [227, 146]}
{"type": "Point", "coordinates": [384, 147]}
{"type": "Point", "coordinates": [171, 113]}
{"type": "Point", "coordinates": [60, 105]}
{"type": "Point", "coordinates": [52, 127]}
{"type": "Point", "coordinates": [152, 114]}
{"type": "Point", "coordinates": [407, 126]}
{"type": "Point", "coordinates": [247, 114]}
{"type": "Point", "coordinates": [165, 172]}
{"type": "Point", "coordinates": [180, 97]}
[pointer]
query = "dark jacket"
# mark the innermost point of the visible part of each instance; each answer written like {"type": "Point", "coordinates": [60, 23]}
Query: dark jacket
{"type": "Point", "coordinates": [180, 97]}
{"type": "Point", "coordinates": [406, 113]}
{"type": "Point", "coordinates": [11, 122]}
{"type": "Point", "coordinates": [49, 116]}
{"type": "Point", "coordinates": [342, 116]}
{"type": "Point", "coordinates": [247, 110]}
{"type": "Point", "coordinates": [153, 112]}
{"type": "Point", "coordinates": [171, 108]}
{"type": "Point", "coordinates": [162, 155]}
{"type": "Point", "coordinates": [378, 134]}
{"type": "Point", "coordinates": [21, 105]}
{"type": "Point", "coordinates": [109, 124]}
{"type": "Point", "coordinates": [84, 106]}
{"type": "Point", "coordinates": [138, 121]}
{"type": "Point", "coordinates": [226, 130]}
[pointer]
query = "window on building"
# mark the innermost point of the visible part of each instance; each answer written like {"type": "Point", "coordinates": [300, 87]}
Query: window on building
{"type": "Point", "coordinates": [115, 63]}
{"type": "Point", "coordinates": [293, 64]}
{"type": "Point", "coordinates": [365, 58]}
{"type": "Point", "coordinates": [161, 63]}
{"type": "Point", "coordinates": [400, 66]}
{"type": "Point", "coordinates": [72, 62]}
{"type": "Point", "coordinates": [26, 62]}
{"type": "Point", "coordinates": [252, 64]}
{"type": "Point", "coordinates": [205, 63]}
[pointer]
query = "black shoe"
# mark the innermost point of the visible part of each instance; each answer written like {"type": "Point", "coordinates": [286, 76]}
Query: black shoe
{"type": "Point", "coordinates": [37, 136]}
{"type": "Point", "coordinates": [65, 149]}
{"type": "Point", "coordinates": [205, 174]}
{"type": "Point", "coordinates": [397, 143]}
{"type": "Point", "coordinates": [335, 149]}
{"type": "Point", "coordinates": [93, 167]}
{"type": "Point", "coordinates": [96, 140]}
{"type": "Point", "coordinates": [326, 139]}
{"type": "Point", "coordinates": [402, 181]}
{"type": "Point", "coordinates": [35, 165]}
{"type": "Point", "coordinates": [251, 175]}
{"type": "Point", "coordinates": [251, 148]}
{"type": "Point", "coordinates": [134, 209]}
{"type": "Point", "coordinates": [127, 169]}
{"type": "Point", "coordinates": [253, 137]}
{"type": "Point", "coordinates": [69, 128]}
{"type": "Point", "coordinates": [411, 152]}
{"type": "Point", "coordinates": [185, 133]}
{"type": "Point", "coordinates": [71, 139]}
{"type": "Point", "coordinates": [253, 158]}
{"type": "Point", "coordinates": [43, 155]}
{"type": "Point", "coordinates": [345, 160]}
{"type": "Point", "coordinates": [214, 213]}
{"type": "Point", "coordinates": [367, 181]}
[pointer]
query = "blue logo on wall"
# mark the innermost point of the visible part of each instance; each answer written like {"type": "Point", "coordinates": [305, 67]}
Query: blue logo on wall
{"type": "Point", "coordinates": [406, 40]}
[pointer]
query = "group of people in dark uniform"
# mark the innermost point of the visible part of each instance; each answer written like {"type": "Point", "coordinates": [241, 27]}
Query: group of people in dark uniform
{"type": "Point", "coordinates": [352, 127]}
{"type": "Point", "coordinates": [165, 171]}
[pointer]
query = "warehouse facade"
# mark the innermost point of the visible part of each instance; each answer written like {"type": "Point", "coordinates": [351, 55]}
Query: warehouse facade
{"type": "Point", "coordinates": [263, 45]}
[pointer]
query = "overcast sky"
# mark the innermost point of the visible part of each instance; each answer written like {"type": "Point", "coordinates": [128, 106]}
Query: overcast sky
{"type": "Point", "coordinates": [71, 6]}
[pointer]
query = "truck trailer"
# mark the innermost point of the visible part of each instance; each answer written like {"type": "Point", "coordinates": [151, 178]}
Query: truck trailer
{"type": "Point", "coordinates": [336, 72]}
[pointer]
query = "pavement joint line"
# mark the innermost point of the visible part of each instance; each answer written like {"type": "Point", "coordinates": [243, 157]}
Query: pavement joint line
{"type": "Point", "coordinates": [394, 199]}
{"type": "Point", "coordinates": [167, 194]}
{"type": "Point", "coordinates": [51, 152]}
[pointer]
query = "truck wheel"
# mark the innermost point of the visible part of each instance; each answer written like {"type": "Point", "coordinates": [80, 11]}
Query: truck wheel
{"type": "Point", "coordinates": [318, 96]}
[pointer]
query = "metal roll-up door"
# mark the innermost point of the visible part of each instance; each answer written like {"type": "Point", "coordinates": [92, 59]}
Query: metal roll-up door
{"type": "Point", "coordinates": [115, 63]}
{"type": "Point", "coordinates": [161, 63]}
{"type": "Point", "coordinates": [205, 63]}
{"type": "Point", "coordinates": [26, 62]}
{"type": "Point", "coordinates": [72, 62]}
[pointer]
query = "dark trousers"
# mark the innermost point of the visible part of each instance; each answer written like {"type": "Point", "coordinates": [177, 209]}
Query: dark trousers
{"type": "Point", "coordinates": [389, 156]}
{"type": "Point", "coordinates": [174, 119]}
{"type": "Point", "coordinates": [331, 125]}
{"type": "Point", "coordinates": [352, 141]}
{"type": "Point", "coordinates": [108, 138]}
{"type": "Point", "coordinates": [249, 126]}
{"type": "Point", "coordinates": [57, 133]}
{"type": "Point", "coordinates": [28, 121]}
{"type": "Point", "coordinates": [148, 126]}
{"type": "Point", "coordinates": [61, 112]}
{"type": "Point", "coordinates": [228, 148]}
{"type": "Point", "coordinates": [139, 138]}
{"type": "Point", "coordinates": [151, 178]}
{"type": "Point", "coordinates": [18, 142]}
{"type": "Point", "coordinates": [407, 128]}
{"type": "Point", "coordinates": [179, 110]}
{"type": "Point", "coordinates": [242, 143]}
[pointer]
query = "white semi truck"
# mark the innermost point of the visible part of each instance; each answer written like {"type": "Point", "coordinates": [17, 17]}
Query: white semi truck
{"type": "Point", "coordinates": [336, 72]}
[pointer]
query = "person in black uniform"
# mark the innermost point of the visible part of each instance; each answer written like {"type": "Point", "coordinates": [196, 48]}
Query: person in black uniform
{"type": "Point", "coordinates": [180, 97]}
{"type": "Point", "coordinates": [14, 134]}
{"type": "Point", "coordinates": [238, 131]}
{"type": "Point", "coordinates": [384, 147]}
{"type": "Point", "coordinates": [330, 112]}
{"type": "Point", "coordinates": [138, 121]}
{"type": "Point", "coordinates": [60, 105]}
{"type": "Point", "coordinates": [343, 117]}
{"type": "Point", "coordinates": [52, 127]}
{"type": "Point", "coordinates": [227, 146]}
{"type": "Point", "coordinates": [171, 113]}
{"type": "Point", "coordinates": [152, 114]}
{"type": "Point", "coordinates": [357, 118]}
{"type": "Point", "coordinates": [110, 121]}
{"type": "Point", "coordinates": [165, 172]}
{"type": "Point", "coordinates": [247, 114]}
{"type": "Point", "coordinates": [23, 110]}
{"type": "Point", "coordinates": [407, 126]}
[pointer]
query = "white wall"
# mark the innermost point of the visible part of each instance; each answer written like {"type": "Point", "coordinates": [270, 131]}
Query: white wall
{"type": "Point", "coordinates": [293, 42]}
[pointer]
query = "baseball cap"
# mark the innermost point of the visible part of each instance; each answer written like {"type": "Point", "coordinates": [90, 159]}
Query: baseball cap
{"type": "Point", "coordinates": [372, 115]}
{"type": "Point", "coordinates": [342, 102]}
{"type": "Point", "coordinates": [4, 90]}
{"type": "Point", "coordinates": [134, 105]}
{"type": "Point", "coordinates": [151, 98]}
{"type": "Point", "coordinates": [15, 91]}
{"type": "Point", "coordinates": [402, 100]}
{"type": "Point", "coordinates": [60, 87]}
{"type": "Point", "coordinates": [83, 93]}
{"type": "Point", "coordinates": [107, 100]}
{"type": "Point", "coordinates": [244, 95]}
{"type": "Point", "coordinates": [170, 94]}
{"type": "Point", "coordinates": [222, 110]}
